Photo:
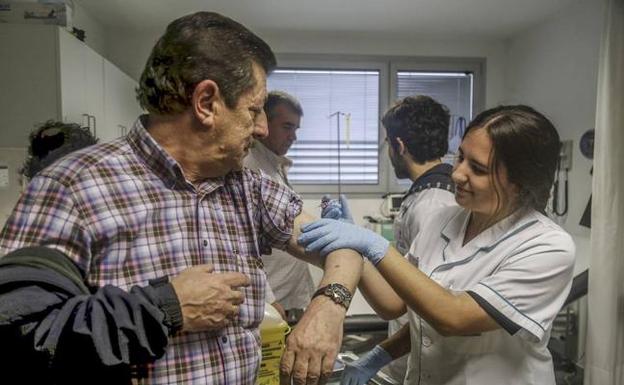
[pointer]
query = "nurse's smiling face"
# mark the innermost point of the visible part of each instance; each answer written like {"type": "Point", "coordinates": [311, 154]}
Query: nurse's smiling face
{"type": "Point", "coordinates": [480, 187]}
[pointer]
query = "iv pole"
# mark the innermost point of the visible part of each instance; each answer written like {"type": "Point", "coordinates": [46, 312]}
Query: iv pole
{"type": "Point", "coordinates": [338, 114]}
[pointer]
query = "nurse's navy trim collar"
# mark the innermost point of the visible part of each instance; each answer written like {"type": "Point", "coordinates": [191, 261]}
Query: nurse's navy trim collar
{"type": "Point", "coordinates": [439, 176]}
{"type": "Point", "coordinates": [502, 230]}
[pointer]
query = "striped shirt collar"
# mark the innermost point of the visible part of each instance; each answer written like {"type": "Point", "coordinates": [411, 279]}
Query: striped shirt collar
{"type": "Point", "coordinates": [438, 176]}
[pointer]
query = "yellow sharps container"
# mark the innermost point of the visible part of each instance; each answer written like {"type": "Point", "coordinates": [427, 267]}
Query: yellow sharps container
{"type": "Point", "coordinates": [273, 331]}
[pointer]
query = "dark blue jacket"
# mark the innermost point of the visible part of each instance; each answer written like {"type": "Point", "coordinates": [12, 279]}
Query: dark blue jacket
{"type": "Point", "coordinates": [65, 332]}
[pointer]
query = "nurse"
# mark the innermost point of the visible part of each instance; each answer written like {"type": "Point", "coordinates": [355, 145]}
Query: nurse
{"type": "Point", "coordinates": [482, 282]}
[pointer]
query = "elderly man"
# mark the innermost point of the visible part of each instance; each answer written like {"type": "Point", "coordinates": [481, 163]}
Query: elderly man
{"type": "Point", "coordinates": [291, 285]}
{"type": "Point", "coordinates": [173, 200]}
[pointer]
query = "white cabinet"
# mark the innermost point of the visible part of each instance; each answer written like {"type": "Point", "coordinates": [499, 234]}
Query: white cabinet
{"type": "Point", "coordinates": [120, 105]}
{"type": "Point", "coordinates": [46, 73]}
{"type": "Point", "coordinates": [28, 81]}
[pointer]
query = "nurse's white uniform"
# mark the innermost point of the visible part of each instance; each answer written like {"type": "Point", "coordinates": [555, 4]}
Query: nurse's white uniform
{"type": "Point", "coordinates": [519, 271]}
{"type": "Point", "coordinates": [432, 191]}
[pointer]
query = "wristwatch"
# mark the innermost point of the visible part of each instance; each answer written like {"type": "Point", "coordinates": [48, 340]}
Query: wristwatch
{"type": "Point", "coordinates": [337, 292]}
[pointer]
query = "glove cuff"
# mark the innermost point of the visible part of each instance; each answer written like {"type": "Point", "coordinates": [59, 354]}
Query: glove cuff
{"type": "Point", "coordinates": [376, 358]}
{"type": "Point", "coordinates": [378, 251]}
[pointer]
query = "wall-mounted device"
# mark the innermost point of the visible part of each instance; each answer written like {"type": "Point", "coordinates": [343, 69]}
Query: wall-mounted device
{"type": "Point", "coordinates": [4, 175]}
{"type": "Point", "coordinates": [393, 202]}
{"type": "Point", "coordinates": [565, 155]}
{"type": "Point", "coordinates": [586, 144]}
{"type": "Point", "coordinates": [564, 165]}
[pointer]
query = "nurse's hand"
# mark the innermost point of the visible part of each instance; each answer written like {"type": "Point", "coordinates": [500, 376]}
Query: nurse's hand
{"type": "Point", "coordinates": [327, 235]}
{"type": "Point", "coordinates": [334, 209]}
{"type": "Point", "coordinates": [361, 371]}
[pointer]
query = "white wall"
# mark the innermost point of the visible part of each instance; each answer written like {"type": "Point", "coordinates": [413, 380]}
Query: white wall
{"type": "Point", "coordinates": [553, 67]}
{"type": "Point", "coordinates": [371, 44]}
{"type": "Point", "coordinates": [129, 50]}
{"type": "Point", "coordinates": [96, 34]}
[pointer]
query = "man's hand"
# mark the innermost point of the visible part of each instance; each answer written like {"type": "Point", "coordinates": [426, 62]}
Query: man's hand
{"type": "Point", "coordinates": [313, 345]}
{"type": "Point", "coordinates": [209, 301]}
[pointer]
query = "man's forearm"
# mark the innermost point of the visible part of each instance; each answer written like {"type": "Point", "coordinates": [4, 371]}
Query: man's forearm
{"type": "Point", "coordinates": [312, 346]}
{"type": "Point", "coordinates": [343, 267]}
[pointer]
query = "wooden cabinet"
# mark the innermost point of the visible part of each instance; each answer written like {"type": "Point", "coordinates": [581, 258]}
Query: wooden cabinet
{"type": "Point", "coordinates": [46, 73]}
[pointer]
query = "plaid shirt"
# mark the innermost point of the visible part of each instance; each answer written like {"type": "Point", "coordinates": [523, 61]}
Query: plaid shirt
{"type": "Point", "coordinates": [124, 212]}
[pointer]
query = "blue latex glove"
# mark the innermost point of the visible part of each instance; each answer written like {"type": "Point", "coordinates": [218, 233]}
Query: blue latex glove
{"type": "Point", "coordinates": [361, 371]}
{"type": "Point", "coordinates": [334, 209]}
{"type": "Point", "coordinates": [327, 235]}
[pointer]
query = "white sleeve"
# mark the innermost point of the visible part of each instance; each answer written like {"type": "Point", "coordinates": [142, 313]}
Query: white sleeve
{"type": "Point", "coordinates": [531, 285]}
{"type": "Point", "coordinates": [425, 209]}
{"type": "Point", "coordinates": [270, 296]}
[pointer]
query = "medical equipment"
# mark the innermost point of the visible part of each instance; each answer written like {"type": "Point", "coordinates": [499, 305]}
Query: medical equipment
{"type": "Point", "coordinates": [563, 166]}
{"type": "Point", "coordinates": [586, 144]}
{"type": "Point", "coordinates": [382, 226]}
{"type": "Point", "coordinates": [347, 117]}
{"type": "Point", "coordinates": [393, 203]}
{"type": "Point", "coordinates": [273, 331]}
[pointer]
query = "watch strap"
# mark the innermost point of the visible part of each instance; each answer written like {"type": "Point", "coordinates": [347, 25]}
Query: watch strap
{"type": "Point", "coordinates": [337, 293]}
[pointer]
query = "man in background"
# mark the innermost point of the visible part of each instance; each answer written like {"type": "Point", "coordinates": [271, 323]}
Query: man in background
{"type": "Point", "coordinates": [290, 282]}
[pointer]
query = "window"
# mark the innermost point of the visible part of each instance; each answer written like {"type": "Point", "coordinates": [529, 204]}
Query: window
{"type": "Point", "coordinates": [353, 92]}
{"type": "Point", "coordinates": [453, 89]}
{"type": "Point", "coordinates": [339, 136]}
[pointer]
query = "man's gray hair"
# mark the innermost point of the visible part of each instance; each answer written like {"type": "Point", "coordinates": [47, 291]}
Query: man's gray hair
{"type": "Point", "coordinates": [275, 98]}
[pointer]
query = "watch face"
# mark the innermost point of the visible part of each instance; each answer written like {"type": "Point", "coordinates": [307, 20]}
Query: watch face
{"type": "Point", "coordinates": [337, 293]}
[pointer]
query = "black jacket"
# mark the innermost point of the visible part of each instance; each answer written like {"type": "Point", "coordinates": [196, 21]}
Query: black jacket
{"type": "Point", "coordinates": [65, 332]}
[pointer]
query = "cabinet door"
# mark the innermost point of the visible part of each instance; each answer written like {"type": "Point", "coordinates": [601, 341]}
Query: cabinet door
{"type": "Point", "coordinates": [29, 93]}
{"type": "Point", "coordinates": [72, 59]}
{"type": "Point", "coordinates": [121, 108]}
{"type": "Point", "coordinates": [94, 90]}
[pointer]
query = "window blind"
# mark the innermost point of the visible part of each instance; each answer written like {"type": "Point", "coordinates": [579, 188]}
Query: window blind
{"type": "Point", "coordinates": [339, 135]}
{"type": "Point", "coordinates": [453, 89]}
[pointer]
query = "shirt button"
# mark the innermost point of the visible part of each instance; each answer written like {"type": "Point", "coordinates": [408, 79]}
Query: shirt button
{"type": "Point", "coordinates": [205, 243]}
{"type": "Point", "coordinates": [426, 341]}
{"type": "Point", "coordinates": [224, 339]}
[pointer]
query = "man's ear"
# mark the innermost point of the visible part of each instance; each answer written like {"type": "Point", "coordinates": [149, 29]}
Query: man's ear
{"type": "Point", "coordinates": [206, 102]}
{"type": "Point", "coordinates": [400, 146]}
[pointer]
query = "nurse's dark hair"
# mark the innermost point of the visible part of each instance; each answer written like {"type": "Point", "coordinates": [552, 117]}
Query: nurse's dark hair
{"type": "Point", "coordinates": [527, 144]}
{"type": "Point", "coordinates": [196, 47]}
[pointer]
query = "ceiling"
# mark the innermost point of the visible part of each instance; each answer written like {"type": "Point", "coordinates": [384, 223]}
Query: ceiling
{"type": "Point", "coordinates": [464, 19]}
